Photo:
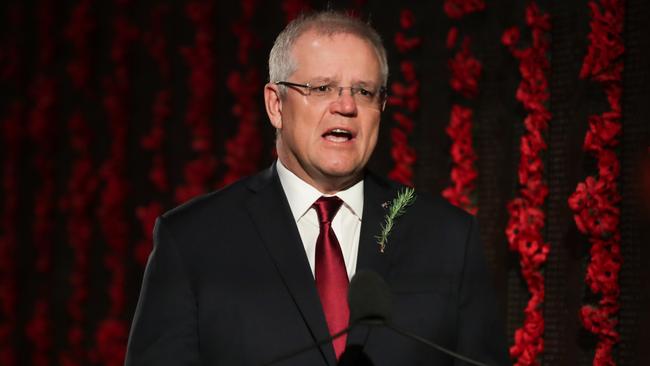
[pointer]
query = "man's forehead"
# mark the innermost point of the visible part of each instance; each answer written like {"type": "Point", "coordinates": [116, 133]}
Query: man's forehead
{"type": "Point", "coordinates": [315, 49]}
{"type": "Point", "coordinates": [315, 38]}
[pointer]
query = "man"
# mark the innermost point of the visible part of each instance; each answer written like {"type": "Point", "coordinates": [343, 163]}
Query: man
{"type": "Point", "coordinates": [259, 269]}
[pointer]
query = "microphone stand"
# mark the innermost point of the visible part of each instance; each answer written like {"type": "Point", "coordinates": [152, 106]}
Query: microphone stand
{"type": "Point", "coordinates": [369, 321]}
{"type": "Point", "coordinates": [378, 322]}
{"type": "Point", "coordinates": [407, 334]}
{"type": "Point", "coordinates": [292, 354]}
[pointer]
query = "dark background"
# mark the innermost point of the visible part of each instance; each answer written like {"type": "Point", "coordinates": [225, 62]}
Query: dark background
{"type": "Point", "coordinates": [497, 129]}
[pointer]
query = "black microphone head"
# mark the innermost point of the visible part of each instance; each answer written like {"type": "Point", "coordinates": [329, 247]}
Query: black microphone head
{"type": "Point", "coordinates": [369, 298]}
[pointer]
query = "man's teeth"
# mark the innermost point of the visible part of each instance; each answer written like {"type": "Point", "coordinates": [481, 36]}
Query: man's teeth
{"type": "Point", "coordinates": [338, 135]}
{"type": "Point", "coordinates": [335, 138]}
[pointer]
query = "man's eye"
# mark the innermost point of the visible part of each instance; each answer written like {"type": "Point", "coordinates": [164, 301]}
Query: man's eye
{"type": "Point", "coordinates": [322, 89]}
{"type": "Point", "coordinates": [365, 93]}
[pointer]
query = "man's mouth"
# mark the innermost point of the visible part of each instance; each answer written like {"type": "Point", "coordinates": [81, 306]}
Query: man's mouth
{"type": "Point", "coordinates": [338, 135]}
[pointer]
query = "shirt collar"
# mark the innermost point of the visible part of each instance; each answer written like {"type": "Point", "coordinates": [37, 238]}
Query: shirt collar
{"type": "Point", "coordinates": [301, 195]}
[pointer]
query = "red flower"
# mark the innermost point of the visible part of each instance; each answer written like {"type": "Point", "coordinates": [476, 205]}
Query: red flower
{"type": "Point", "coordinates": [598, 321]}
{"type": "Point", "coordinates": [613, 92]}
{"type": "Point", "coordinates": [403, 90]}
{"type": "Point", "coordinates": [602, 273]}
{"type": "Point", "coordinates": [452, 36]}
{"type": "Point", "coordinates": [402, 174]}
{"type": "Point", "coordinates": [532, 143]}
{"type": "Point", "coordinates": [535, 19]}
{"type": "Point", "coordinates": [534, 324]}
{"type": "Point", "coordinates": [408, 71]}
{"type": "Point", "coordinates": [581, 197]}
{"type": "Point", "coordinates": [456, 9]}
{"type": "Point", "coordinates": [465, 71]}
{"type": "Point", "coordinates": [404, 154]}
{"type": "Point", "coordinates": [592, 201]}
{"type": "Point", "coordinates": [110, 337]}
{"type": "Point", "coordinates": [510, 37]}
{"type": "Point", "coordinates": [603, 130]}
{"type": "Point", "coordinates": [404, 122]}
{"type": "Point", "coordinates": [528, 341]}
{"type": "Point", "coordinates": [606, 43]}
{"type": "Point", "coordinates": [404, 43]}
{"type": "Point", "coordinates": [407, 18]}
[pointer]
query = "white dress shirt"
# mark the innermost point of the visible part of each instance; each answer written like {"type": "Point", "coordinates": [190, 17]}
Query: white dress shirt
{"type": "Point", "coordinates": [346, 223]}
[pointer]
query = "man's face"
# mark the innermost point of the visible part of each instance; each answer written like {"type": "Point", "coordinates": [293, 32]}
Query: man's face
{"type": "Point", "coordinates": [307, 140]}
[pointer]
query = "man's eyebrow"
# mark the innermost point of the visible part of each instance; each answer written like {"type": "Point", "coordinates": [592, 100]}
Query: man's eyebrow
{"type": "Point", "coordinates": [366, 83]}
{"type": "Point", "coordinates": [320, 80]}
{"type": "Point", "coordinates": [328, 80]}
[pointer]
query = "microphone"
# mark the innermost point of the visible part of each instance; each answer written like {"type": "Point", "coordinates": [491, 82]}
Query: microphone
{"type": "Point", "coordinates": [370, 299]}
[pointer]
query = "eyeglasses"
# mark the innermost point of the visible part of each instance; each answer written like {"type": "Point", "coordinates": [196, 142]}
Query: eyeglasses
{"type": "Point", "coordinates": [364, 96]}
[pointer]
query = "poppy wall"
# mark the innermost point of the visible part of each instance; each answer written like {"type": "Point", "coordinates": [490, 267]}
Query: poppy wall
{"type": "Point", "coordinates": [534, 116]}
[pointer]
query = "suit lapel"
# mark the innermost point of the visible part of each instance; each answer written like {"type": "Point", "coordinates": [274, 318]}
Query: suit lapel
{"type": "Point", "coordinates": [375, 194]}
{"type": "Point", "coordinates": [271, 213]}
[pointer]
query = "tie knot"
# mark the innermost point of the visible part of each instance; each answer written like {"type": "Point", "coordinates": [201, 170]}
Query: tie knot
{"type": "Point", "coordinates": [327, 207]}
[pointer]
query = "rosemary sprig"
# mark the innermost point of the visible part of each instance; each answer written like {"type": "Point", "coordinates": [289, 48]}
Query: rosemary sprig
{"type": "Point", "coordinates": [396, 209]}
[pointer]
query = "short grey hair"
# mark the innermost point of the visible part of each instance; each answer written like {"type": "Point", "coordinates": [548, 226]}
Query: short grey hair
{"type": "Point", "coordinates": [329, 22]}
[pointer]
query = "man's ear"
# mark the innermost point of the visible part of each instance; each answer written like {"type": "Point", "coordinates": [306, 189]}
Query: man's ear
{"type": "Point", "coordinates": [273, 104]}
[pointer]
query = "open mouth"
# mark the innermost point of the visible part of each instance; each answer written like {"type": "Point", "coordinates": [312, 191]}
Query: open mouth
{"type": "Point", "coordinates": [338, 135]}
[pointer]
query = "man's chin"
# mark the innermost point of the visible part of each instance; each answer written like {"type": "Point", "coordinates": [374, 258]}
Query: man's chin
{"type": "Point", "coordinates": [342, 176]}
{"type": "Point", "coordinates": [338, 171]}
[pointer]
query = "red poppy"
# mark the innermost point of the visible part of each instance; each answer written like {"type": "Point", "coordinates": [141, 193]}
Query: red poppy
{"type": "Point", "coordinates": [452, 36]}
{"type": "Point", "coordinates": [405, 122]}
{"type": "Point", "coordinates": [406, 18]}
{"type": "Point", "coordinates": [404, 43]}
{"type": "Point", "coordinates": [510, 37]}
{"type": "Point", "coordinates": [456, 9]}
{"type": "Point", "coordinates": [465, 71]}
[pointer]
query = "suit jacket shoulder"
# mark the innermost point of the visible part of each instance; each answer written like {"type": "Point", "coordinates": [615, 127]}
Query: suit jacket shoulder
{"type": "Point", "coordinates": [209, 206]}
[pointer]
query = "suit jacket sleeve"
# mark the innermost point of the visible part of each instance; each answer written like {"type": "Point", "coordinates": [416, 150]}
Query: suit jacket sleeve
{"type": "Point", "coordinates": [164, 330]}
{"type": "Point", "coordinates": [481, 334]}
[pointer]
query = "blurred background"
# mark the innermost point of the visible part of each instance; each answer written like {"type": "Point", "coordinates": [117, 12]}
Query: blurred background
{"type": "Point", "coordinates": [112, 112]}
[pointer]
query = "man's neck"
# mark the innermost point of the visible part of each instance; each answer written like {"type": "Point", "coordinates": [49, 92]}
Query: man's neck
{"type": "Point", "coordinates": [325, 185]}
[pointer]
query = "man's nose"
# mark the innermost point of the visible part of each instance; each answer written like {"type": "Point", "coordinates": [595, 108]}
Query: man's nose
{"type": "Point", "coordinates": [345, 103]}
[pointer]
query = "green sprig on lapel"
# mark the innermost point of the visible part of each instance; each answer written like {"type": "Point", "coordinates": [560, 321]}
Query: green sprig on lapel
{"type": "Point", "coordinates": [396, 208]}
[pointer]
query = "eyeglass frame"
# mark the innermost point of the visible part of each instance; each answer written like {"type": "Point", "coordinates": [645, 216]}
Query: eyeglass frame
{"type": "Point", "coordinates": [382, 91]}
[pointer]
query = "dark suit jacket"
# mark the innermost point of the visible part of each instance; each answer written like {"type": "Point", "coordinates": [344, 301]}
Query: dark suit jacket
{"type": "Point", "coordinates": [228, 283]}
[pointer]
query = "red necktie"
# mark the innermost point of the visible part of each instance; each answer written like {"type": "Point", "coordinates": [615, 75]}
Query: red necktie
{"type": "Point", "coordinates": [331, 275]}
